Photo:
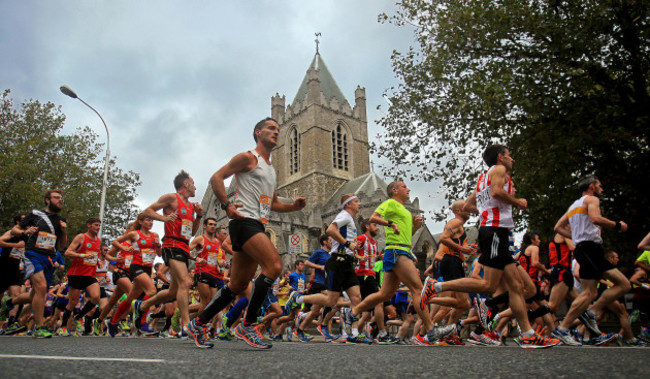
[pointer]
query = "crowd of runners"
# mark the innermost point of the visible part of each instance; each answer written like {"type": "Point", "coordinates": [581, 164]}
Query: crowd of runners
{"type": "Point", "coordinates": [228, 283]}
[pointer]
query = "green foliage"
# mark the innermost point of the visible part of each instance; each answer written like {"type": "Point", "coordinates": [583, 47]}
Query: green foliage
{"type": "Point", "coordinates": [564, 84]}
{"type": "Point", "coordinates": [35, 156]}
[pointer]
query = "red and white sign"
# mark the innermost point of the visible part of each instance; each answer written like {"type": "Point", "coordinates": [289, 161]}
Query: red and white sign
{"type": "Point", "coordinates": [295, 244]}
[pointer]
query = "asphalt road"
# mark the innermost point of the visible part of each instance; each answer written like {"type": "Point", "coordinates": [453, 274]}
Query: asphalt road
{"type": "Point", "coordinates": [24, 357]}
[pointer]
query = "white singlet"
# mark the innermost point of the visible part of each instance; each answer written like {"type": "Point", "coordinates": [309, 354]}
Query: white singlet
{"type": "Point", "coordinates": [254, 189]}
{"type": "Point", "coordinates": [493, 212]}
{"type": "Point", "coordinates": [582, 229]}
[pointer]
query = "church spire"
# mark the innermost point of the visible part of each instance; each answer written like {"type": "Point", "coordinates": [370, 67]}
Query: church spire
{"type": "Point", "coordinates": [317, 41]}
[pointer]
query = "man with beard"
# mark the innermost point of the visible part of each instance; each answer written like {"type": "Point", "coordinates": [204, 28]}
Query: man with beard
{"type": "Point", "coordinates": [45, 230]}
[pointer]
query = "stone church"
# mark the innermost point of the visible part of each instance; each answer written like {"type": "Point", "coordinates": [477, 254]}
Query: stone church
{"type": "Point", "coordinates": [322, 153]}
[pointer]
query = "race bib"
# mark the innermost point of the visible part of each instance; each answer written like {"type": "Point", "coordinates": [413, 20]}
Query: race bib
{"type": "Point", "coordinates": [482, 198]}
{"type": "Point", "coordinates": [127, 260]}
{"type": "Point", "coordinates": [148, 255]}
{"type": "Point", "coordinates": [45, 241]}
{"type": "Point", "coordinates": [91, 258]}
{"type": "Point", "coordinates": [101, 278]}
{"type": "Point", "coordinates": [186, 229]}
{"type": "Point", "coordinates": [212, 259]}
{"type": "Point", "coordinates": [265, 208]}
{"type": "Point", "coordinates": [17, 253]}
{"type": "Point", "coordinates": [301, 286]}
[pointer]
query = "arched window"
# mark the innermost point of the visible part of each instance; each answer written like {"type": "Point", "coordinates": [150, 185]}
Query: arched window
{"type": "Point", "coordinates": [294, 151]}
{"type": "Point", "coordinates": [340, 148]}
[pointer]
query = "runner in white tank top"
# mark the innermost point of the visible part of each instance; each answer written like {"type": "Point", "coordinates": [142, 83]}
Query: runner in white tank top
{"type": "Point", "coordinates": [255, 199]}
{"type": "Point", "coordinates": [582, 223]}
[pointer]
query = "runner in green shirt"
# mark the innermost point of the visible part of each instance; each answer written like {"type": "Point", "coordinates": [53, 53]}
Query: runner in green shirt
{"type": "Point", "coordinates": [399, 263]}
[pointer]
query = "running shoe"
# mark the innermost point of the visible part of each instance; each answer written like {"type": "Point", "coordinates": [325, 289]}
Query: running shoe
{"type": "Point", "coordinates": [565, 336]}
{"type": "Point", "coordinates": [300, 335]}
{"type": "Point", "coordinates": [634, 342]}
{"type": "Point", "coordinates": [492, 325]}
{"type": "Point", "coordinates": [536, 342]}
{"type": "Point", "coordinates": [482, 310]}
{"type": "Point", "coordinates": [484, 339]}
{"type": "Point", "coordinates": [97, 327]}
{"type": "Point", "coordinates": [112, 329]}
{"type": "Point", "coordinates": [4, 308]}
{"type": "Point", "coordinates": [224, 321]}
{"type": "Point", "coordinates": [278, 338]}
{"type": "Point", "coordinates": [440, 332]}
{"type": "Point", "coordinates": [63, 332]}
{"type": "Point", "coordinates": [137, 313]}
{"type": "Point", "coordinates": [428, 292]}
{"type": "Point", "coordinates": [250, 336]}
{"type": "Point", "coordinates": [14, 329]}
{"type": "Point", "coordinates": [288, 333]}
{"type": "Point", "coordinates": [601, 339]}
{"type": "Point", "coordinates": [386, 340]}
{"type": "Point", "coordinates": [225, 335]}
{"type": "Point", "coordinates": [420, 340]}
{"type": "Point", "coordinates": [588, 318]}
{"type": "Point", "coordinates": [401, 341]}
{"type": "Point", "coordinates": [125, 326]}
{"type": "Point", "coordinates": [291, 302]}
{"type": "Point", "coordinates": [453, 340]}
{"type": "Point", "coordinates": [200, 335]}
{"type": "Point", "coordinates": [348, 317]}
{"type": "Point", "coordinates": [324, 332]}
{"type": "Point", "coordinates": [146, 329]}
{"type": "Point", "coordinates": [258, 328]}
{"type": "Point", "coordinates": [41, 332]}
{"type": "Point", "coordinates": [361, 339]}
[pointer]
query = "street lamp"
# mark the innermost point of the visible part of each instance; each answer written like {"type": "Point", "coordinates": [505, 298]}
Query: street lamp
{"type": "Point", "coordinates": [67, 91]}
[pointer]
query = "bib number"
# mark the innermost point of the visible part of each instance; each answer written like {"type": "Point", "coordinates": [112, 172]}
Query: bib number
{"type": "Point", "coordinates": [301, 286]}
{"type": "Point", "coordinates": [17, 253]}
{"type": "Point", "coordinates": [212, 259]}
{"type": "Point", "coordinates": [148, 255]}
{"type": "Point", "coordinates": [265, 208]}
{"type": "Point", "coordinates": [45, 241]}
{"type": "Point", "coordinates": [127, 261]}
{"type": "Point", "coordinates": [483, 198]}
{"type": "Point", "coordinates": [91, 258]}
{"type": "Point", "coordinates": [186, 229]}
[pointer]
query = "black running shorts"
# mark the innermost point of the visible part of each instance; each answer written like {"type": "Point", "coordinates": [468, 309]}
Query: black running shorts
{"type": "Point", "coordinates": [451, 267]}
{"type": "Point", "coordinates": [80, 282]}
{"type": "Point", "coordinates": [495, 247]}
{"type": "Point", "coordinates": [340, 273]}
{"type": "Point", "coordinates": [591, 257]}
{"type": "Point", "coordinates": [242, 229]}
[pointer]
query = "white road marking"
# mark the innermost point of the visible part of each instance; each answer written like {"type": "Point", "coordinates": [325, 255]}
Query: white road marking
{"type": "Point", "coordinates": [141, 360]}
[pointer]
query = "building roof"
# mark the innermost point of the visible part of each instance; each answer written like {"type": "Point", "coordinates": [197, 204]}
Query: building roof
{"type": "Point", "coordinates": [367, 183]}
{"type": "Point", "coordinates": [327, 83]}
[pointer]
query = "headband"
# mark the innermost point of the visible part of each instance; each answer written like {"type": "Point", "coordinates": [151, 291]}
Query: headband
{"type": "Point", "coordinates": [349, 199]}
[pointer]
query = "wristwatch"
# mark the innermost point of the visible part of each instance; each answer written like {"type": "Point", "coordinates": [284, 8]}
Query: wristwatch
{"type": "Point", "coordinates": [225, 205]}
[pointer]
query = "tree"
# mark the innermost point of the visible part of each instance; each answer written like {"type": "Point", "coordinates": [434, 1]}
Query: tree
{"type": "Point", "coordinates": [564, 84]}
{"type": "Point", "coordinates": [35, 156]}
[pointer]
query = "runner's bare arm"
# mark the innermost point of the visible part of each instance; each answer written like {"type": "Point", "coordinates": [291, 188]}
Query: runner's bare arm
{"type": "Point", "coordinates": [166, 203]}
{"type": "Point", "coordinates": [377, 219]}
{"type": "Point", "coordinates": [130, 237]}
{"type": "Point", "coordinates": [280, 206]}
{"type": "Point", "coordinates": [470, 204]}
{"type": "Point", "coordinates": [71, 252]}
{"type": "Point", "coordinates": [196, 243]}
{"type": "Point", "coordinates": [6, 237]}
{"type": "Point", "coordinates": [562, 227]}
{"type": "Point", "coordinates": [498, 179]}
{"type": "Point", "coordinates": [333, 232]}
{"type": "Point", "coordinates": [451, 228]}
{"type": "Point", "coordinates": [112, 254]}
{"type": "Point", "coordinates": [593, 209]}
{"type": "Point", "coordinates": [242, 162]}
{"type": "Point", "coordinates": [534, 260]}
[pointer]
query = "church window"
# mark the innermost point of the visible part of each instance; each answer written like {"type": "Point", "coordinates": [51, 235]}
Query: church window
{"type": "Point", "coordinates": [294, 151]}
{"type": "Point", "coordinates": [340, 148]}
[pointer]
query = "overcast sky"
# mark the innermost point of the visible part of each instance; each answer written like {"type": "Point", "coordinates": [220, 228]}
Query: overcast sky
{"type": "Point", "coordinates": [181, 83]}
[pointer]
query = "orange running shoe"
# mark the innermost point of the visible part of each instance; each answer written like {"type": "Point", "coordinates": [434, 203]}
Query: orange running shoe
{"type": "Point", "coordinates": [428, 292]}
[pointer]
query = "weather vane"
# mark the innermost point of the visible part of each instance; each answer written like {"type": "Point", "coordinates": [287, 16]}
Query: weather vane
{"type": "Point", "coordinates": [317, 41]}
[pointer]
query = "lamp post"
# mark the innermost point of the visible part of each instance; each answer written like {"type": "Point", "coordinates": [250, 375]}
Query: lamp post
{"type": "Point", "coordinates": [67, 91]}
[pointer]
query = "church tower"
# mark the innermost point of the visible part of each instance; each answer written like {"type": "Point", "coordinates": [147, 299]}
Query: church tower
{"type": "Point", "coordinates": [323, 141]}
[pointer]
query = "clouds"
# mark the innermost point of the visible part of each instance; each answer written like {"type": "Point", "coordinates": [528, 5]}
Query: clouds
{"type": "Point", "coordinates": [181, 84]}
